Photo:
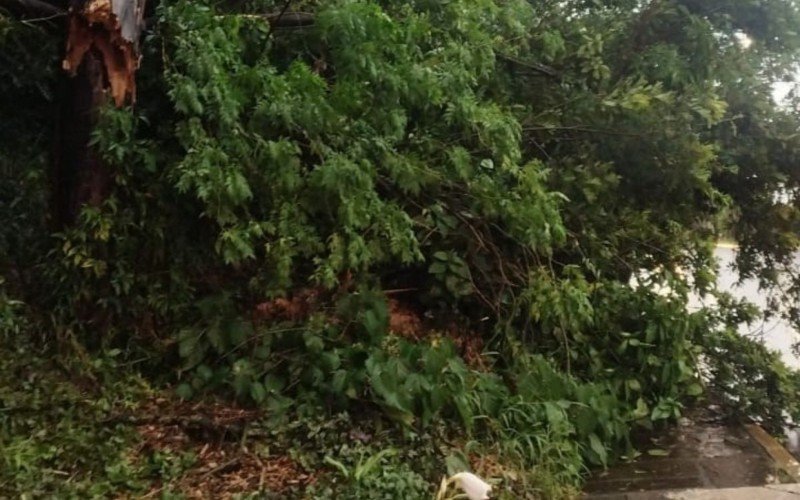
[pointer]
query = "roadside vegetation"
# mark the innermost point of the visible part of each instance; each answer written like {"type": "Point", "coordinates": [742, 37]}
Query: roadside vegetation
{"type": "Point", "coordinates": [346, 256]}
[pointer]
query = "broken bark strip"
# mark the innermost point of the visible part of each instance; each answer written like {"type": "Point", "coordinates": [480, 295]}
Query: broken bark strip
{"type": "Point", "coordinates": [112, 29]}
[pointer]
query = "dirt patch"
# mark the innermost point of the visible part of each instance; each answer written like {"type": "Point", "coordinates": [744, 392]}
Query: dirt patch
{"type": "Point", "coordinates": [214, 436]}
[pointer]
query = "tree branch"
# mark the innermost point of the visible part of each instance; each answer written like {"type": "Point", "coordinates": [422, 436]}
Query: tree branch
{"type": "Point", "coordinates": [278, 19]}
{"type": "Point", "coordinates": [588, 130]}
{"type": "Point", "coordinates": [285, 20]}
{"type": "Point", "coordinates": [537, 67]}
{"type": "Point", "coordinates": [288, 19]}
{"type": "Point", "coordinates": [32, 8]}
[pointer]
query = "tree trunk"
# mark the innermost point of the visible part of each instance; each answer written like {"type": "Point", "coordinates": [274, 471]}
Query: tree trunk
{"type": "Point", "coordinates": [102, 55]}
{"type": "Point", "coordinates": [79, 177]}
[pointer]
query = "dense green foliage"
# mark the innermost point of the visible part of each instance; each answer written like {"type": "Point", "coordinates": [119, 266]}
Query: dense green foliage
{"type": "Point", "coordinates": [541, 181]}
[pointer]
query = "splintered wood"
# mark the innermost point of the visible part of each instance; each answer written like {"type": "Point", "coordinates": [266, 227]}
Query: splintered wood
{"type": "Point", "coordinates": [109, 28]}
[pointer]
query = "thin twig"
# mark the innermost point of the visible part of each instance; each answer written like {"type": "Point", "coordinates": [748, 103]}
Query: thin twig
{"type": "Point", "coordinates": [31, 22]}
{"type": "Point", "coordinates": [154, 492]}
{"type": "Point", "coordinates": [400, 290]}
{"type": "Point", "coordinates": [590, 130]}
{"type": "Point", "coordinates": [537, 67]}
{"type": "Point", "coordinates": [37, 7]}
{"type": "Point", "coordinates": [278, 19]}
{"type": "Point", "coordinates": [230, 463]}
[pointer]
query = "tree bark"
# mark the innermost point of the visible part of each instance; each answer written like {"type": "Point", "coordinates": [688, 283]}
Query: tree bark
{"type": "Point", "coordinates": [79, 177]}
{"type": "Point", "coordinates": [101, 58]}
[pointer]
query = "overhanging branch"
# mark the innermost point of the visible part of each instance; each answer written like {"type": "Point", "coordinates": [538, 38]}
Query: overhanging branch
{"type": "Point", "coordinates": [542, 69]}
{"type": "Point", "coordinates": [26, 9]}
{"type": "Point", "coordinates": [291, 19]}
{"type": "Point", "coordinates": [285, 20]}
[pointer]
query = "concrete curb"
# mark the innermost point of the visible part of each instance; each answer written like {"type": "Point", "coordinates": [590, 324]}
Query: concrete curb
{"type": "Point", "coordinates": [780, 455]}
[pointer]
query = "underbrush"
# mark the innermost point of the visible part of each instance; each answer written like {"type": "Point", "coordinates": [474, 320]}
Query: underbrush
{"type": "Point", "coordinates": [364, 397]}
{"type": "Point", "coordinates": [55, 437]}
{"type": "Point", "coordinates": [407, 412]}
{"type": "Point", "coordinates": [100, 430]}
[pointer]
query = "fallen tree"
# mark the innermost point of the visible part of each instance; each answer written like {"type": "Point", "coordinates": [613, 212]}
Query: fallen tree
{"type": "Point", "coordinates": [431, 209]}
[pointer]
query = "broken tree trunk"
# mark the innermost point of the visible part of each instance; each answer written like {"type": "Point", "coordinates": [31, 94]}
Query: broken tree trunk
{"type": "Point", "coordinates": [101, 59]}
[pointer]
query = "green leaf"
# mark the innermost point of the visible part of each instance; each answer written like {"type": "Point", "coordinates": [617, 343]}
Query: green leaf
{"type": "Point", "coordinates": [641, 410]}
{"type": "Point", "coordinates": [313, 341]}
{"type": "Point", "coordinates": [694, 390]}
{"type": "Point", "coordinates": [273, 384]}
{"type": "Point", "coordinates": [555, 415]}
{"type": "Point", "coordinates": [456, 462]}
{"type": "Point", "coordinates": [598, 448]}
{"type": "Point", "coordinates": [437, 268]}
{"type": "Point", "coordinates": [258, 392]}
{"type": "Point", "coordinates": [343, 470]}
{"type": "Point", "coordinates": [205, 372]}
{"type": "Point", "coordinates": [184, 391]}
{"type": "Point", "coordinates": [339, 381]}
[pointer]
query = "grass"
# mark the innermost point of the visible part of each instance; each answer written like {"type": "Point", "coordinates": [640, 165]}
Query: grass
{"type": "Point", "coordinates": [99, 430]}
{"type": "Point", "coordinates": [98, 435]}
{"type": "Point", "coordinates": [54, 435]}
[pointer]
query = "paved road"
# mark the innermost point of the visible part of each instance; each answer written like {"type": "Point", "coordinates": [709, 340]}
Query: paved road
{"type": "Point", "coordinates": [771, 492]}
{"type": "Point", "coordinates": [700, 453]}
